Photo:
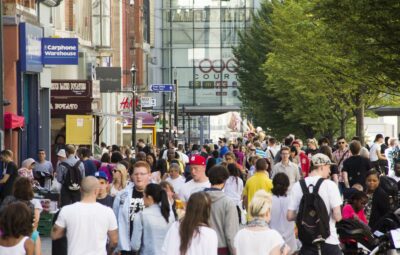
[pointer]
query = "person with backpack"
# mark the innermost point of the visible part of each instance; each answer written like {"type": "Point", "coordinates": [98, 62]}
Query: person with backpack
{"type": "Point", "coordinates": [315, 205]}
{"type": "Point", "coordinates": [70, 173]}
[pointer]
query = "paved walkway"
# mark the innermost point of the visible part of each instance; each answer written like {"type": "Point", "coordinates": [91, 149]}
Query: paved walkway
{"type": "Point", "coordinates": [46, 245]}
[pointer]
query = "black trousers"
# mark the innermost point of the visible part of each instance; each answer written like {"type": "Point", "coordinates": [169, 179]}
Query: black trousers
{"type": "Point", "coordinates": [69, 197]}
{"type": "Point", "coordinates": [326, 249]}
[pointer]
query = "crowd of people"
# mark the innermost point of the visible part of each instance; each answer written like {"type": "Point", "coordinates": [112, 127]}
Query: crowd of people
{"type": "Point", "coordinates": [242, 196]}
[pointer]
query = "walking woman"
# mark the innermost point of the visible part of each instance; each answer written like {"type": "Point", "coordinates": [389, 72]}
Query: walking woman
{"type": "Point", "coordinates": [120, 179]}
{"type": "Point", "coordinates": [193, 235]}
{"type": "Point", "coordinates": [153, 222]}
{"type": "Point", "coordinates": [257, 237]}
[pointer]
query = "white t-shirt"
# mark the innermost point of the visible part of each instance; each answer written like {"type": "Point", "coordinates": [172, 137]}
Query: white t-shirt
{"type": "Point", "coordinates": [204, 243]}
{"type": "Point", "coordinates": [87, 225]}
{"type": "Point", "coordinates": [373, 152]}
{"type": "Point", "coordinates": [176, 183]}
{"type": "Point", "coordinates": [234, 189]}
{"type": "Point", "coordinates": [280, 223]}
{"type": "Point", "coordinates": [191, 187]}
{"type": "Point", "coordinates": [329, 192]}
{"type": "Point", "coordinates": [257, 242]}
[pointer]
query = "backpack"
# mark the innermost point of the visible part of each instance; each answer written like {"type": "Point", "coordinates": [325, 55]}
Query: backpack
{"type": "Point", "coordinates": [312, 219]}
{"type": "Point", "coordinates": [390, 186]}
{"type": "Point", "coordinates": [73, 176]}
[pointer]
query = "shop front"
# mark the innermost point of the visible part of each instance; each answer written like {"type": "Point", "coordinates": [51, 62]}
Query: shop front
{"type": "Point", "coordinates": [68, 97]}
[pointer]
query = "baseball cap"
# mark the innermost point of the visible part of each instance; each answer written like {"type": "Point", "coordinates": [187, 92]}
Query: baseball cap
{"type": "Point", "coordinates": [295, 142]}
{"type": "Point", "coordinates": [62, 153]}
{"type": "Point", "coordinates": [320, 159]}
{"type": "Point", "coordinates": [101, 175]}
{"type": "Point", "coordinates": [197, 160]}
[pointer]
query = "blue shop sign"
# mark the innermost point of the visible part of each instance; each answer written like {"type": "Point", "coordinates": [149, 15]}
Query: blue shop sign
{"type": "Point", "coordinates": [30, 48]}
{"type": "Point", "coordinates": [60, 51]}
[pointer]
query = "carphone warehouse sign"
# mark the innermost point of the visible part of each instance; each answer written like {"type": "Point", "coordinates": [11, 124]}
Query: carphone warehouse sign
{"type": "Point", "coordinates": [60, 51]}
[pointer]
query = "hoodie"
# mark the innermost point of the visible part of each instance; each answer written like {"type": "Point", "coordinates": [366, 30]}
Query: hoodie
{"type": "Point", "coordinates": [224, 218]}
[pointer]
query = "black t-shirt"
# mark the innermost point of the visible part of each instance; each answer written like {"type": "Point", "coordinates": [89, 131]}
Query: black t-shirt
{"type": "Point", "coordinates": [136, 205]}
{"type": "Point", "coordinates": [356, 168]}
{"type": "Point", "coordinates": [107, 201]}
{"type": "Point", "coordinates": [12, 170]}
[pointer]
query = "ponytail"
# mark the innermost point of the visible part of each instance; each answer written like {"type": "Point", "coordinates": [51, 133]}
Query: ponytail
{"type": "Point", "coordinates": [164, 204]}
{"type": "Point", "coordinates": [160, 197]}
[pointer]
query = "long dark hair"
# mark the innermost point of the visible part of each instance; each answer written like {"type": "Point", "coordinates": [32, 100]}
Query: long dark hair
{"type": "Point", "coordinates": [159, 196]}
{"type": "Point", "coordinates": [280, 184]}
{"type": "Point", "coordinates": [234, 171]}
{"type": "Point", "coordinates": [197, 214]}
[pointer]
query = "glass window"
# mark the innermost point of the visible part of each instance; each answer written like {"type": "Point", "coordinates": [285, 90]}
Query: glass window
{"type": "Point", "coordinates": [101, 23]}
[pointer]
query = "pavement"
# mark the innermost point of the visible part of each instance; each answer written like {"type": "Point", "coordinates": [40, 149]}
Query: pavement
{"type": "Point", "coordinates": [46, 245]}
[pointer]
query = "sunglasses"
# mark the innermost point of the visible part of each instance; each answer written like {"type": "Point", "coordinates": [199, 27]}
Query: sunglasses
{"type": "Point", "coordinates": [341, 142]}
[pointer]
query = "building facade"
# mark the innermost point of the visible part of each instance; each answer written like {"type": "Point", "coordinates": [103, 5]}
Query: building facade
{"type": "Point", "coordinates": [197, 41]}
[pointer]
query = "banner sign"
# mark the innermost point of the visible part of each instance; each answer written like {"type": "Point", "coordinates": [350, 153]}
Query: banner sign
{"type": "Point", "coordinates": [60, 51]}
{"type": "Point", "coordinates": [30, 45]}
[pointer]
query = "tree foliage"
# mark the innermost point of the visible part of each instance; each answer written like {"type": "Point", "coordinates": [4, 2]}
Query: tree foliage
{"type": "Point", "coordinates": [316, 69]}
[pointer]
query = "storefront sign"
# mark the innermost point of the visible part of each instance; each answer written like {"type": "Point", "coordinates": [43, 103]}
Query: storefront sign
{"type": "Point", "coordinates": [71, 88]}
{"type": "Point", "coordinates": [110, 78]}
{"type": "Point", "coordinates": [30, 47]}
{"type": "Point", "coordinates": [60, 51]}
{"type": "Point", "coordinates": [61, 107]}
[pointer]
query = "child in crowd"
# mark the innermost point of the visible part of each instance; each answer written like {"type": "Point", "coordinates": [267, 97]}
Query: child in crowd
{"type": "Point", "coordinates": [354, 209]}
{"type": "Point", "coordinates": [16, 226]}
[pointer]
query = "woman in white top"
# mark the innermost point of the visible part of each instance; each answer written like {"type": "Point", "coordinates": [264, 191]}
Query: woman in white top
{"type": "Point", "coordinates": [234, 185]}
{"type": "Point", "coordinates": [280, 202]}
{"type": "Point", "coordinates": [257, 237]}
{"type": "Point", "coordinates": [120, 177]}
{"type": "Point", "coordinates": [193, 235]}
{"type": "Point", "coordinates": [16, 226]}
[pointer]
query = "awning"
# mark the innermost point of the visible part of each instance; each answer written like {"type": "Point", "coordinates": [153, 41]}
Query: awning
{"type": "Point", "coordinates": [12, 121]}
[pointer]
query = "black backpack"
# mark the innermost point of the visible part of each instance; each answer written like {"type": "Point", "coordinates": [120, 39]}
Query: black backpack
{"type": "Point", "coordinates": [312, 219]}
{"type": "Point", "coordinates": [390, 186]}
{"type": "Point", "coordinates": [73, 176]}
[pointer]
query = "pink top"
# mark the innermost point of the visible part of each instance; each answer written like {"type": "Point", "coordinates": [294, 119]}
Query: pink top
{"type": "Point", "coordinates": [349, 213]}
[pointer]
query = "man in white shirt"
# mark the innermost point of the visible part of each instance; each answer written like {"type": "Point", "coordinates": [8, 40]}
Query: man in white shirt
{"type": "Point", "coordinates": [329, 192]}
{"type": "Point", "coordinates": [87, 222]}
{"type": "Point", "coordinates": [199, 181]}
{"type": "Point", "coordinates": [287, 167]}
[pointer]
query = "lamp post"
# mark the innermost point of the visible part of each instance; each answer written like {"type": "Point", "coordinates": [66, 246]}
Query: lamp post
{"type": "Point", "coordinates": [133, 74]}
{"type": "Point", "coordinates": [176, 104]}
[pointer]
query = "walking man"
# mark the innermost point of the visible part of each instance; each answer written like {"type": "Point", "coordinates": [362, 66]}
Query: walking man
{"type": "Point", "coordinates": [329, 192]}
{"type": "Point", "coordinates": [88, 223]}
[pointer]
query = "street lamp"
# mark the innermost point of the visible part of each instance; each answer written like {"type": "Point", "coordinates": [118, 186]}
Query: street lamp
{"type": "Point", "coordinates": [133, 74]}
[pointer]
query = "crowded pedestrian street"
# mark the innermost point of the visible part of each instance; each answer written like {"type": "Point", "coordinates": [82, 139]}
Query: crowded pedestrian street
{"type": "Point", "coordinates": [199, 127]}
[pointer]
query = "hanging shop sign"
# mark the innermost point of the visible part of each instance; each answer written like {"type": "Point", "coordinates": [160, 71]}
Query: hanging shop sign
{"type": "Point", "coordinates": [30, 47]}
{"type": "Point", "coordinates": [110, 78]}
{"type": "Point", "coordinates": [60, 51]}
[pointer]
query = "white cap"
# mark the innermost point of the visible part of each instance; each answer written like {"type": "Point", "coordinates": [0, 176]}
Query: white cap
{"type": "Point", "coordinates": [61, 153]}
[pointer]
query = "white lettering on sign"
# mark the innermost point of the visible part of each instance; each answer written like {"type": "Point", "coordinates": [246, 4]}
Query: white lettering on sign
{"type": "Point", "coordinates": [66, 106]}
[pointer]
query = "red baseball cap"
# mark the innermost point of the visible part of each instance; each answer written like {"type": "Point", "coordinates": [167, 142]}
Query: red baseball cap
{"type": "Point", "coordinates": [197, 160]}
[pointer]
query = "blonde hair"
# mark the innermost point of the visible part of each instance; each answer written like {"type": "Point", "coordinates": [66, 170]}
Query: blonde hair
{"type": "Point", "coordinates": [260, 204]}
{"type": "Point", "coordinates": [124, 175]}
